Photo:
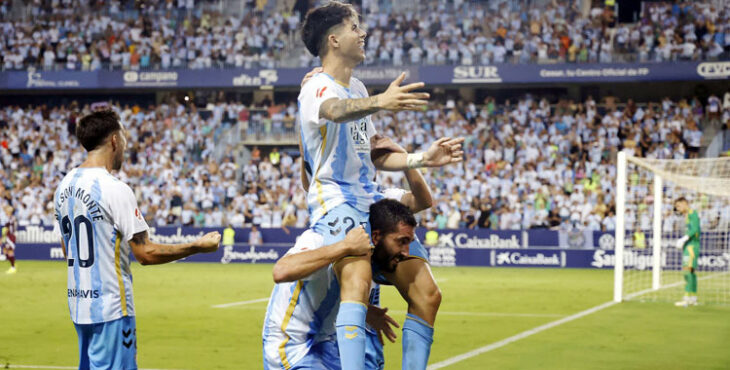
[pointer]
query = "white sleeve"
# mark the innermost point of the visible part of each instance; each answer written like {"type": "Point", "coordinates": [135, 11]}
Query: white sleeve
{"type": "Point", "coordinates": [315, 92]}
{"type": "Point", "coordinates": [394, 193]}
{"type": "Point", "coordinates": [127, 218]}
{"type": "Point", "coordinates": [309, 240]}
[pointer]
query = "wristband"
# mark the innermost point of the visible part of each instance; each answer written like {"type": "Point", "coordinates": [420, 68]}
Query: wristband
{"type": "Point", "coordinates": [414, 160]}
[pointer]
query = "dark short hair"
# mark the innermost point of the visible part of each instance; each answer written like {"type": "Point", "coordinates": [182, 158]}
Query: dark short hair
{"type": "Point", "coordinates": [319, 21]}
{"type": "Point", "coordinates": [93, 129]}
{"type": "Point", "coordinates": [386, 214]}
{"type": "Point", "coordinates": [680, 199]}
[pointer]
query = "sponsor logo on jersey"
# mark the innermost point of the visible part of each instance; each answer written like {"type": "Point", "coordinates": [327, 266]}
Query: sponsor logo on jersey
{"type": "Point", "coordinates": [83, 293]}
{"type": "Point", "coordinates": [320, 91]}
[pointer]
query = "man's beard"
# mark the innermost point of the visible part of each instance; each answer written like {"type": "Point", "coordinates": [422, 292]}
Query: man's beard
{"type": "Point", "coordinates": [117, 163]}
{"type": "Point", "coordinates": [382, 260]}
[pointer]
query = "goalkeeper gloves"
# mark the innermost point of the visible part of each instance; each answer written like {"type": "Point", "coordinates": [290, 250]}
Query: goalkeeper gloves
{"type": "Point", "coordinates": [681, 241]}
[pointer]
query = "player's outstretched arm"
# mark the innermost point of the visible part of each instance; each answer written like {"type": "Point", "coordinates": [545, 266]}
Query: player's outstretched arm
{"type": "Point", "coordinates": [300, 265]}
{"type": "Point", "coordinates": [151, 253]}
{"type": "Point", "coordinates": [395, 98]}
{"type": "Point", "coordinates": [442, 152]}
{"type": "Point", "coordinates": [419, 198]}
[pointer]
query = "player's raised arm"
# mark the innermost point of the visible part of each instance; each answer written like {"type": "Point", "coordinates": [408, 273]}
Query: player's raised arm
{"type": "Point", "coordinates": [395, 98]}
{"type": "Point", "coordinates": [419, 198]}
{"type": "Point", "coordinates": [442, 152]}
{"type": "Point", "coordinates": [296, 266]}
{"type": "Point", "coordinates": [151, 253]}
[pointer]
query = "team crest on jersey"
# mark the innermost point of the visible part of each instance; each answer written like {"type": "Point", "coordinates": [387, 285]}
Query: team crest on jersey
{"type": "Point", "coordinates": [137, 213]}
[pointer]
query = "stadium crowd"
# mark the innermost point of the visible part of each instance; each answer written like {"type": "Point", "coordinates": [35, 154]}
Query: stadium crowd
{"type": "Point", "coordinates": [182, 34]}
{"type": "Point", "coordinates": [529, 164]}
{"type": "Point", "coordinates": [161, 37]}
{"type": "Point", "coordinates": [559, 32]}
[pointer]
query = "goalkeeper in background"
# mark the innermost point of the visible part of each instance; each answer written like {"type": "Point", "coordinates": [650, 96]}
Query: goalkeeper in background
{"type": "Point", "coordinates": [690, 245]}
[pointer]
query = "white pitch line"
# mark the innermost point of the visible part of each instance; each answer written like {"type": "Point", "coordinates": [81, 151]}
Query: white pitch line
{"type": "Point", "coordinates": [226, 305]}
{"type": "Point", "coordinates": [550, 325]}
{"type": "Point", "coordinates": [501, 314]}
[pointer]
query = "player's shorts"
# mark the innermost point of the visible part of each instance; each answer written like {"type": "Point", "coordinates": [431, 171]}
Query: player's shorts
{"type": "Point", "coordinates": [108, 345]}
{"type": "Point", "coordinates": [322, 355]}
{"type": "Point", "coordinates": [8, 244]}
{"type": "Point", "coordinates": [374, 359]}
{"type": "Point", "coordinates": [415, 250]}
{"type": "Point", "coordinates": [338, 221]}
{"type": "Point", "coordinates": [687, 260]}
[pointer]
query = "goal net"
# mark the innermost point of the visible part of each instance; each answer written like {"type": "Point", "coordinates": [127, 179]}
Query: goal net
{"type": "Point", "coordinates": [648, 263]}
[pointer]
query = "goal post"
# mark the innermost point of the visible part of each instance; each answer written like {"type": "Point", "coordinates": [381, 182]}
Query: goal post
{"type": "Point", "coordinates": [648, 265]}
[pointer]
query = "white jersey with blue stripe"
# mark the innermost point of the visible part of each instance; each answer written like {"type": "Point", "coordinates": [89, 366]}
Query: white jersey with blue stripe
{"type": "Point", "coordinates": [97, 215]}
{"type": "Point", "coordinates": [336, 155]}
{"type": "Point", "coordinates": [300, 313]}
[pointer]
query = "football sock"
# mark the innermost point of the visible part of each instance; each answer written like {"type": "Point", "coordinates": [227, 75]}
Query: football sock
{"type": "Point", "coordinates": [417, 340]}
{"type": "Point", "coordinates": [351, 336]}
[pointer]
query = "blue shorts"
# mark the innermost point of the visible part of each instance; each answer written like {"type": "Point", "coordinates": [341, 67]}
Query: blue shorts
{"type": "Point", "coordinates": [415, 250]}
{"type": "Point", "coordinates": [108, 345]}
{"type": "Point", "coordinates": [338, 221]}
{"type": "Point", "coordinates": [374, 359]}
{"type": "Point", "coordinates": [322, 355]}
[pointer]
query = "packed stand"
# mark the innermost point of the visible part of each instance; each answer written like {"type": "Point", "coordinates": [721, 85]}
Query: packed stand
{"type": "Point", "coordinates": [557, 33]}
{"type": "Point", "coordinates": [528, 164]}
{"type": "Point", "coordinates": [181, 34]}
{"type": "Point", "coordinates": [164, 36]}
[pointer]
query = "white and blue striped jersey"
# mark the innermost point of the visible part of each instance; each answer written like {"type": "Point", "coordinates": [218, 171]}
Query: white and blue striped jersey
{"type": "Point", "coordinates": [97, 215]}
{"type": "Point", "coordinates": [336, 155]}
{"type": "Point", "coordinates": [301, 313]}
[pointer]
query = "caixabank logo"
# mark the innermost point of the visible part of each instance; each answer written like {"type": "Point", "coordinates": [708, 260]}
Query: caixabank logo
{"type": "Point", "coordinates": [476, 74]}
{"type": "Point", "coordinates": [528, 259]}
{"type": "Point", "coordinates": [463, 240]}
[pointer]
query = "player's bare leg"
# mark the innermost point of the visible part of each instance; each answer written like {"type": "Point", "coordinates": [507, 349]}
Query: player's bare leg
{"type": "Point", "coordinates": [10, 255]}
{"type": "Point", "coordinates": [416, 284]}
{"type": "Point", "coordinates": [354, 275]}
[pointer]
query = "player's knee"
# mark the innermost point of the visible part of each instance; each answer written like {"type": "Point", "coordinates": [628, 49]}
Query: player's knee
{"type": "Point", "coordinates": [355, 288]}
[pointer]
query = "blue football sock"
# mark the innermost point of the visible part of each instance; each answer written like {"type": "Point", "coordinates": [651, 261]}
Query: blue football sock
{"type": "Point", "coordinates": [417, 339]}
{"type": "Point", "coordinates": [351, 334]}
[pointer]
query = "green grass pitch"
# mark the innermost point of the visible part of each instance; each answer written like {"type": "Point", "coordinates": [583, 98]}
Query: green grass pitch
{"type": "Point", "coordinates": [178, 329]}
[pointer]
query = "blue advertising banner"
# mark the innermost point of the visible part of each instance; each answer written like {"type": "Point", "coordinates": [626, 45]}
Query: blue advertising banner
{"type": "Point", "coordinates": [431, 75]}
{"type": "Point", "coordinates": [476, 238]}
{"type": "Point", "coordinates": [487, 248]}
{"type": "Point", "coordinates": [38, 80]}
